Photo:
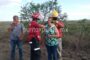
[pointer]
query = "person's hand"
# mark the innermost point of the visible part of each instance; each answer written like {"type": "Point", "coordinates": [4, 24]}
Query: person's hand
{"type": "Point", "coordinates": [11, 27]}
{"type": "Point", "coordinates": [50, 36]}
{"type": "Point", "coordinates": [20, 37]}
{"type": "Point", "coordinates": [56, 21]}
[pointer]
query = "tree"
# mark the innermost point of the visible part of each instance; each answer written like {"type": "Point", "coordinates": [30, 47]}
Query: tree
{"type": "Point", "coordinates": [28, 9]}
{"type": "Point", "coordinates": [44, 8]}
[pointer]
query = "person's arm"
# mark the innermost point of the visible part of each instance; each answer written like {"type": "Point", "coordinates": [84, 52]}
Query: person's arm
{"type": "Point", "coordinates": [60, 24]}
{"type": "Point", "coordinates": [22, 32]}
{"type": "Point", "coordinates": [10, 28]}
{"type": "Point", "coordinates": [40, 25]}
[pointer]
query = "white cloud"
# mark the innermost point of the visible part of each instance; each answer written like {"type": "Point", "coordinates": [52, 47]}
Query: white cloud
{"type": "Point", "coordinates": [6, 2]}
{"type": "Point", "coordinates": [16, 1]}
{"type": "Point", "coordinates": [78, 12]}
{"type": "Point", "coordinates": [78, 15]}
{"type": "Point", "coordinates": [8, 8]}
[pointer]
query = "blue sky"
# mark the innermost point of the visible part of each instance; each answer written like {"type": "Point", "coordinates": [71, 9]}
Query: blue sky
{"type": "Point", "coordinates": [76, 9]}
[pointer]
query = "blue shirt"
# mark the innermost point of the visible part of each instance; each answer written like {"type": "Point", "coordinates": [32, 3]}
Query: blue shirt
{"type": "Point", "coordinates": [15, 33]}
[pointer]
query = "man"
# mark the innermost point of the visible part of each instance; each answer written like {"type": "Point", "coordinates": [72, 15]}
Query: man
{"type": "Point", "coordinates": [34, 36]}
{"type": "Point", "coordinates": [16, 30]}
{"type": "Point", "coordinates": [59, 24]}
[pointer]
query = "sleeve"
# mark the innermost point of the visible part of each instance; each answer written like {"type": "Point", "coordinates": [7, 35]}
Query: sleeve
{"type": "Point", "coordinates": [57, 32]}
{"type": "Point", "coordinates": [60, 24]}
{"type": "Point", "coordinates": [38, 25]}
{"type": "Point", "coordinates": [22, 28]}
{"type": "Point", "coordinates": [11, 27]}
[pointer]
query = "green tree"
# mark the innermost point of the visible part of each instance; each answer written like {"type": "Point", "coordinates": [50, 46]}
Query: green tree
{"type": "Point", "coordinates": [45, 8]}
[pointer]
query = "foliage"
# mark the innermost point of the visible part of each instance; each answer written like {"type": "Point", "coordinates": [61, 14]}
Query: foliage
{"type": "Point", "coordinates": [77, 36]}
{"type": "Point", "coordinates": [44, 8]}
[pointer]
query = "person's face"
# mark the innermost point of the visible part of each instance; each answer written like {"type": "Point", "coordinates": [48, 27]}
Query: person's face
{"type": "Point", "coordinates": [15, 20]}
{"type": "Point", "coordinates": [54, 19]}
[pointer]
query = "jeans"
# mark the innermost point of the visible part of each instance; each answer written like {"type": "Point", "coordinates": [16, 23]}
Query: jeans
{"type": "Point", "coordinates": [35, 54]}
{"type": "Point", "coordinates": [13, 44]}
{"type": "Point", "coordinates": [52, 52]}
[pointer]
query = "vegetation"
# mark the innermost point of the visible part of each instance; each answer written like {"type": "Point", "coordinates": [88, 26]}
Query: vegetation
{"type": "Point", "coordinates": [77, 37]}
{"type": "Point", "coordinates": [44, 8]}
{"type": "Point", "coordinates": [76, 33]}
{"type": "Point", "coordinates": [76, 42]}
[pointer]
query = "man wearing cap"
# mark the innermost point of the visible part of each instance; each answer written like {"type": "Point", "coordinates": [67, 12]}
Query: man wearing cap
{"type": "Point", "coordinates": [34, 36]}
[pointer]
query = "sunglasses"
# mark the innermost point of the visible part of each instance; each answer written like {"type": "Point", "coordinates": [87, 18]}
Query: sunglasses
{"type": "Point", "coordinates": [54, 18]}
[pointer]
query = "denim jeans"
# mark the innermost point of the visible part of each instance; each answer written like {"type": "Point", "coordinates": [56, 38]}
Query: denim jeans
{"type": "Point", "coordinates": [35, 54]}
{"type": "Point", "coordinates": [13, 44]}
{"type": "Point", "coordinates": [52, 52]}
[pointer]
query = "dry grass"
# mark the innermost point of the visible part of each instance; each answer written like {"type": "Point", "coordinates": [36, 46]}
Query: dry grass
{"type": "Point", "coordinates": [70, 44]}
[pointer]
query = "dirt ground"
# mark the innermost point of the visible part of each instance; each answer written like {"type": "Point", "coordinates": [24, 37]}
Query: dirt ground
{"type": "Point", "coordinates": [68, 54]}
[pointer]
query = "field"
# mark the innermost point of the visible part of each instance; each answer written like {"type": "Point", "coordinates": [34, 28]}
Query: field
{"type": "Point", "coordinates": [75, 46]}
